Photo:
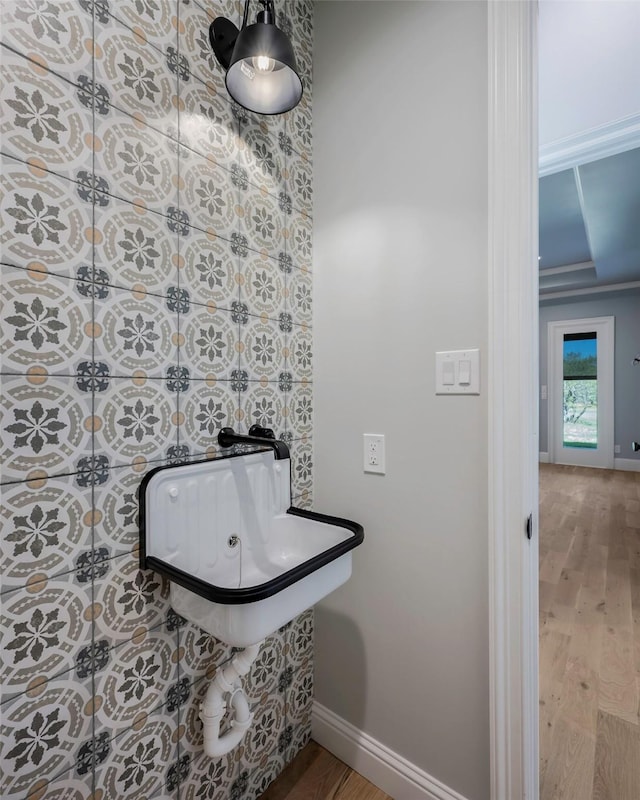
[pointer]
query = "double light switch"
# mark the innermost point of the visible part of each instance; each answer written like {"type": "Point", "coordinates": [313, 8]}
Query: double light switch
{"type": "Point", "coordinates": [458, 372]}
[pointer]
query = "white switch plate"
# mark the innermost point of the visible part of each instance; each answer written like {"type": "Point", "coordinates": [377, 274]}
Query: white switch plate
{"type": "Point", "coordinates": [374, 459]}
{"type": "Point", "coordinates": [465, 380]}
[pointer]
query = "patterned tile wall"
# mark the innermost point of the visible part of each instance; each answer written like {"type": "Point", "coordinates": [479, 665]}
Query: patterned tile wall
{"type": "Point", "coordinates": [156, 286]}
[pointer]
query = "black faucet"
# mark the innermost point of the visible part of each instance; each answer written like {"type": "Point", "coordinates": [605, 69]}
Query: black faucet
{"type": "Point", "coordinates": [258, 436]}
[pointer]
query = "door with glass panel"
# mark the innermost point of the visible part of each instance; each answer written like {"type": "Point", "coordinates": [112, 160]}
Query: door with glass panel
{"type": "Point", "coordinates": [581, 392]}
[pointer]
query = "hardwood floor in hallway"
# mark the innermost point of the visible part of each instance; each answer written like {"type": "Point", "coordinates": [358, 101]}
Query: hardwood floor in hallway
{"type": "Point", "coordinates": [589, 634]}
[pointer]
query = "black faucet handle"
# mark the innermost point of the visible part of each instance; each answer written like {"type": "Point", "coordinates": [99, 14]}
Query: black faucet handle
{"type": "Point", "coordinates": [263, 433]}
{"type": "Point", "coordinates": [228, 437]}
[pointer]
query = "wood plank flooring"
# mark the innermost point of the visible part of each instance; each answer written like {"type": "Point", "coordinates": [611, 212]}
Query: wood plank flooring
{"type": "Point", "coordinates": [315, 774]}
{"type": "Point", "coordinates": [589, 634]}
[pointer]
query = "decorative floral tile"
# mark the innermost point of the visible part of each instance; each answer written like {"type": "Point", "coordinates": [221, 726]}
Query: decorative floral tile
{"type": "Point", "coordinates": [295, 738]}
{"type": "Point", "coordinates": [262, 158]}
{"type": "Point", "coordinates": [209, 270]}
{"type": "Point", "coordinates": [260, 741]}
{"type": "Point", "coordinates": [140, 80]}
{"type": "Point", "coordinates": [300, 353]}
{"type": "Point", "coordinates": [209, 342]}
{"type": "Point", "coordinates": [262, 222]}
{"type": "Point", "coordinates": [263, 286]}
{"type": "Point", "coordinates": [303, 500]}
{"type": "Point", "coordinates": [261, 777]}
{"type": "Point", "coordinates": [200, 652]}
{"type": "Point", "coordinates": [57, 35]}
{"type": "Point", "coordinates": [299, 694]}
{"type": "Point", "coordinates": [66, 786]}
{"type": "Point", "coordinates": [300, 15]}
{"type": "Point", "coordinates": [301, 467]}
{"type": "Point", "coordinates": [45, 426]}
{"type": "Point", "coordinates": [263, 345]}
{"type": "Point", "coordinates": [299, 682]}
{"type": "Point", "coordinates": [297, 124]}
{"type": "Point", "coordinates": [208, 127]}
{"type": "Point", "coordinates": [262, 680]}
{"type": "Point", "coordinates": [177, 773]}
{"type": "Point", "coordinates": [46, 228]}
{"type": "Point", "coordinates": [299, 235]}
{"type": "Point", "coordinates": [264, 405]}
{"type": "Point", "coordinates": [300, 296]}
{"type": "Point", "coordinates": [44, 319]}
{"type": "Point", "coordinates": [300, 182]}
{"type": "Point", "coordinates": [135, 419]}
{"type": "Point", "coordinates": [156, 21]}
{"type": "Point", "coordinates": [299, 639]}
{"type": "Point", "coordinates": [206, 777]}
{"type": "Point", "coordinates": [135, 248]}
{"type": "Point", "coordinates": [270, 124]}
{"type": "Point", "coordinates": [140, 675]}
{"type": "Point", "coordinates": [116, 511]}
{"type": "Point", "coordinates": [304, 61]}
{"type": "Point", "coordinates": [139, 760]}
{"type": "Point", "coordinates": [43, 121]}
{"type": "Point", "coordinates": [41, 731]}
{"type": "Point", "coordinates": [208, 195]}
{"type": "Point", "coordinates": [135, 333]}
{"type": "Point", "coordinates": [128, 600]}
{"type": "Point", "coordinates": [44, 626]}
{"type": "Point", "coordinates": [300, 411]}
{"type": "Point", "coordinates": [136, 162]}
{"type": "Point", "coordinates": [154, 65]}
{"type": "Point", "coordinates": [194, 42]}
{"type": "Point", "coordinates": [209, 778]}
{"type": "Point", "coordinates": [205, 408]}
{"type": "Point", "coordinates": [45, 523]}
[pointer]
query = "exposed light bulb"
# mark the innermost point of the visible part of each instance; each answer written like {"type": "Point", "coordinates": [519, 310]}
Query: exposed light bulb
{"type": "Point", "coordinates": [263, 63]}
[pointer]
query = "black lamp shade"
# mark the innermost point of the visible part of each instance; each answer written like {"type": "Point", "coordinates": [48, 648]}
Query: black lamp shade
{"type": "Point", "coordinates": [272, 90]}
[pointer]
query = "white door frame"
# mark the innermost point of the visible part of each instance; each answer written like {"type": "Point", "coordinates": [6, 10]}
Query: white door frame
{"type": "Point", "coordinates": [512, 398]}
{"type": "Point", "coordinates": [605, 328]}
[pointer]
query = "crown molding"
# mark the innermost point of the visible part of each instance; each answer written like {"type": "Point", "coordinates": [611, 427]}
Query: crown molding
{"type": "Point", "coordinates": [591, 145]}
{"type": "Point", "coordinates": [577, 267]}
{"type": "Point", "coordinates": [609, 287]}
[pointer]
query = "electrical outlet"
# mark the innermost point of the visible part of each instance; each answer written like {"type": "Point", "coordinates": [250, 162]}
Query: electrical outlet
{"type": "Point", "coordinates": [374, 460]}
{"type": "Point", "coordinates": [616, 448]}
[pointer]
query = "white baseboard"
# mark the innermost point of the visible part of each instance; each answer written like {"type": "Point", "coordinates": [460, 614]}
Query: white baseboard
{"type": "Point", "coordinates": [387, 770]}
{"type": "Point", "coordinates": [627, 464]}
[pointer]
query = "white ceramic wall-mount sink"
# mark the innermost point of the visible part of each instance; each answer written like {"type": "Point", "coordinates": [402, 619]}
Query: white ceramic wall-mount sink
{"type": "Point", "coordinates": [241, 561]}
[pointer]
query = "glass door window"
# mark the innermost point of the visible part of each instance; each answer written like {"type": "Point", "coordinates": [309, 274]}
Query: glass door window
{"type": "Point", "coordinates": [580, 390]}
{"type": "Point", "coordinates": [580, 398]}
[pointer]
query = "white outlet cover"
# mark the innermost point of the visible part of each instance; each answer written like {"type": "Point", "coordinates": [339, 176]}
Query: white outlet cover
{"type": "Point", "coordinates": [373, 453]}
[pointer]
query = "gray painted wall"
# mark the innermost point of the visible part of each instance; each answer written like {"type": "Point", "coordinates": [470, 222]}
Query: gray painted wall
{"type": "Point", "coordinates": [400, 221]}
{"type": "Point", "coordinates": [626, 310]}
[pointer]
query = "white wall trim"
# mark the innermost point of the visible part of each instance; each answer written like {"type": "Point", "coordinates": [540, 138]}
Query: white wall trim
{"type": "Point", "coordinates": [582, 266]}
{"type": "Point", "coordinates": [605, 140]}
{"type": "Point", "coordinates": [512, 399]}
{"type": "Point", "coordinates": [543, 458]}
{"type": "Point", "coordinates": [387, 770]}
{"type": "Point", "coordinates": [606, 287]}
{"type": "Point", "coordinates": [627, 464]}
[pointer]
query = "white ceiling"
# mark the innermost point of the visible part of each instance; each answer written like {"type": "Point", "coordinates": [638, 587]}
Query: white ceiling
{"type": "Point", "coordinates": [589, 65]}
{"type": "Point", "coordinates": [589, 98]}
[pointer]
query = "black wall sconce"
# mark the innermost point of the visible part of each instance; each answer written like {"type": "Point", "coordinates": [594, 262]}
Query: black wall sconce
{"type": "Point", "coordinates": [262, 75]}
